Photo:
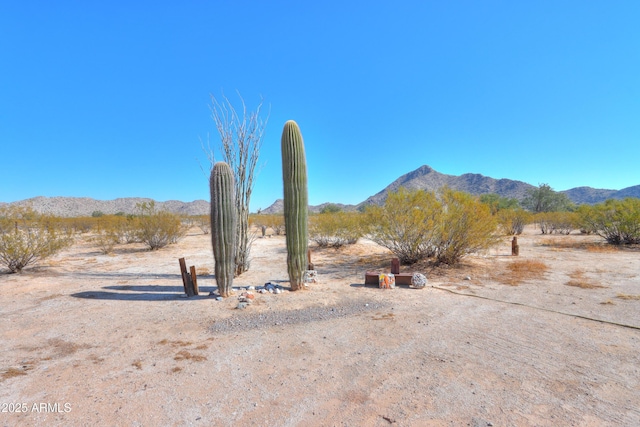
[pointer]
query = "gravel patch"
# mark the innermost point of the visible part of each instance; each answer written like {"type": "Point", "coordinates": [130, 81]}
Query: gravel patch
{"type": "Point", "coordinates": [244, 321]}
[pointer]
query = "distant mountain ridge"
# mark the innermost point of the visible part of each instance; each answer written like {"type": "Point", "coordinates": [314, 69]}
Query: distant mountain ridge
{"type": "Point", "coordinates": [427, 178]}
{"type": "Point", "coordinates": [423, 178]}
{"type": "Point", "coordinates": [278, 207]}
{"type": "Point", "coordinates": [85, 206]}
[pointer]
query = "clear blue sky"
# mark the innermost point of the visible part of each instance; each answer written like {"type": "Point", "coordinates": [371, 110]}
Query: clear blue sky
{"type": "Point", "coordinates": [111, 99]}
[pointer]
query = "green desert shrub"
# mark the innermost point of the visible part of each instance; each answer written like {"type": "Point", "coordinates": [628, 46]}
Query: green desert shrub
{"type": "Point", "coordinates": [407, 224]}
{"type": "Point", "coordinates": [498, 203]}
{"type": "Point", "coordinates": [203, 222]}
{"type": "Point", "coordinates": [105, 240]}
{"type": "Point", "coordinates": [513, 221]}
{"type": "Point", "coordinates": [617, 221]}
{"type": "Point", "coordinates": [466, 226]}
{"type": "Point", "coordinates": [158, 228]}
{"type": "Point", "coordinates": [27, 237]}
{"type": "Point", "coordinates": [415, 225]}
{"type": "Point", "coordinates": [272, 221]}
{"type": "Point", "coordinates": [556, 222]}
{"type": "Point", "coordinates": [335, 229]}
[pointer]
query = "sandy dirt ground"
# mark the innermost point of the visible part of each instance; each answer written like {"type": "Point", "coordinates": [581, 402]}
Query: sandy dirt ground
{"type": "Point", "coordinates": [92, 339]}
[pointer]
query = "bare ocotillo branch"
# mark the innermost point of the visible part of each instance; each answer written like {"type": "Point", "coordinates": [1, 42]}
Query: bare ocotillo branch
{"type": "Point", "coordinates": [240, 142]}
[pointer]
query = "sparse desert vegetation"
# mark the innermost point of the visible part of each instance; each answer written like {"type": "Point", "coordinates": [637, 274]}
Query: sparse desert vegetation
{"type": "Point", "coordinates": [100, 331]}
{"type": "Point", "coordinates": [521, 270]}
{"type": "Point", "coordinates": [101, 318]}
{"type": "Point", "coordinates": [27, 237]}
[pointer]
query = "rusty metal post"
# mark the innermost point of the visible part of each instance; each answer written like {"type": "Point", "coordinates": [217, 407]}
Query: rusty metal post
{"type": "Point", "coordinates": [183, 273]}
{"type": "Point", "coordinates": [310, 265]}
{"type": "Point", "coordinates": [194, 280]}
{"type": "Point", "coordinates": [187, 281]}
{"type": "Point", "coordinates": [395, 266]}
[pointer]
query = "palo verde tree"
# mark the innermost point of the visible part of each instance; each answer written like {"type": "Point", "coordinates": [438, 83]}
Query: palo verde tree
{"type": "Point", "coordinates": [545, 199]}
{"type": "Point", "coordinates": [241, 134]}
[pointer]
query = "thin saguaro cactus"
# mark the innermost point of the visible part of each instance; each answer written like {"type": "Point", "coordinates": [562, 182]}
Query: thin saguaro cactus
{"type": "Point", "coordinates": [296, 200]}
{"type": "Point", "coordinates": [223, 225]}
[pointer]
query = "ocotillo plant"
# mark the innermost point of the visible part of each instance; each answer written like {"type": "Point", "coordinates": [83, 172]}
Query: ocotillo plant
{"type": "Point", "coordinates": [294, 176]}
{"type": "Point", "coordinates": [223, 225]}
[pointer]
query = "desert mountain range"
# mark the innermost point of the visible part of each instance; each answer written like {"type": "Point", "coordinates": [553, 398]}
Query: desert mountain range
{"type": "Point", "coordinates": [425, 178]}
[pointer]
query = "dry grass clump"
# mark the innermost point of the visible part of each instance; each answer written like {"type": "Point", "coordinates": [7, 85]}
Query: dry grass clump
{"type": "Point", "coordinates": [522, 270]}
{"type": "Point", "coordinates": [594, 247]}
{"type": "Point", "coordinates": [579, 280]}
{"type": "Point", "coordinates": [64, 348]}
{"type": "Point", "coordinates": [185, 355]}
{"type": "Point", "coordinates": [178, 343]}
{"type": "Point", "coordinates": [13, 372]}
{"type": "Point", "coordinates": [628, 297]}
{"type": "Point", "coordinates": [203, 271]}
{"type": "Point", "coordinates": [602, 248]}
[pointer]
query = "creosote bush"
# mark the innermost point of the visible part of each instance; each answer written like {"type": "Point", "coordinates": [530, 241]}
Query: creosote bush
{"type": "Point", "coordinates": [466, 226]}
{"type": "Point", "coordinates": [203, 222]}
{"type": "Point", "coordinates": [556, 222]}
{"type": "Point", "coordinates": [406, 224]}
{"type": "Point", "coordinates": [417, 224]}
{"type": "Point", "coordinates": [106, 240]}
{"type": "Point", "coordinates": [27, 237]}
{"type": "Point", "coordinates": [335, 229]}
{"type": "Point", "coordinates": [513, 221]}
{"type": "Point", "coordinates": [617, 221]}
{"type": "Point", "coordinates": [273, 221]}
{"type": "Point", "coordinates": [157, 228]}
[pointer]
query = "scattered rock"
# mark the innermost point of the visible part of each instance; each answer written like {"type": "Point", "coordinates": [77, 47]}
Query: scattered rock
{"type": "Point", "coordinates": [418, 281]}
{"type": "Point", "coordinates": [247, 295]}
{"type": "Point", "coordinates": [310, 276]}
{"type": "Point", "coordinates": [272, 288]}
{"type": "Point", "coordinates": [265, 320]}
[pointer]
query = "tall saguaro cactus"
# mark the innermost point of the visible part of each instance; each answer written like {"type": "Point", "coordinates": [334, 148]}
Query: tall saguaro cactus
{"type": "Point", "coordinates": [296, 200]}
{"type": "Point", "coordinates": [223, 225]}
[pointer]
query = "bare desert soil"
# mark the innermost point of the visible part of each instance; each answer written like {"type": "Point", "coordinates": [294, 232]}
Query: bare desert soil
{"type": "Point", "coordinates": [92, 339]}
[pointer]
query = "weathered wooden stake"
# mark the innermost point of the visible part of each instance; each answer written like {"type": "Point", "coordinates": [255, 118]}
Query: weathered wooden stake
{"type": "Point", "coordinates": [515, 249]}
{"type": "Point", "coordinates": [310, 265]}
{"type": "Point", "coordinates": [183, 272]}
{"type": "Point", "coordinates": [194, 280]}
{"type": "Point", "coordinates": [395, 266]}
{"type": "Point", "coordinates": [189, 281]}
